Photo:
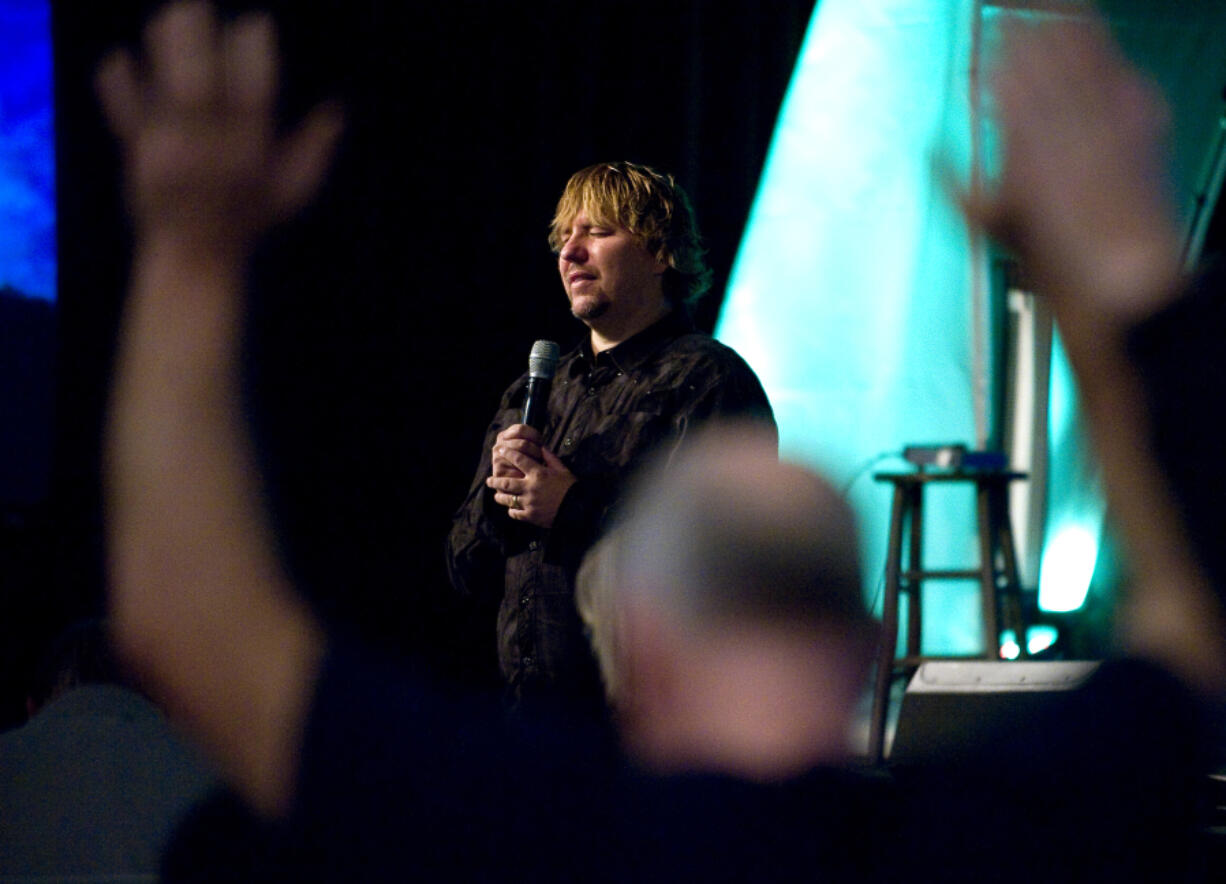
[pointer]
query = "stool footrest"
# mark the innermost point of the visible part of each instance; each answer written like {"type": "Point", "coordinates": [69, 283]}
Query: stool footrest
{"type": "Point", "coordinates": [914, 660]}
{"type": "Point", "coordinates": [964, 574]}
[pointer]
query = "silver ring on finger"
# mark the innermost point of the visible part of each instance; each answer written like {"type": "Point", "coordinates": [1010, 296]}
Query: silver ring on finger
{"type": "Point", "coordinates": [514, 501]}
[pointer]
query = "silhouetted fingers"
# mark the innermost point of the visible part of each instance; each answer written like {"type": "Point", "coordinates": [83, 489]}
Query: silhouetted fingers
{"type": "Point", "coordinates": [119, 93]}
{"type": "Point", "coordinates": [249, 53]}
{"type": "Point", "coordinates": [181, 43]}
{"type": "Point", "coordinates": [305, 157]}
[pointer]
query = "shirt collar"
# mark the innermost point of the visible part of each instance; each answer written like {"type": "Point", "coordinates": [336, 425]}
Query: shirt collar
{"type": "Point", "coordinates": [634, 351]}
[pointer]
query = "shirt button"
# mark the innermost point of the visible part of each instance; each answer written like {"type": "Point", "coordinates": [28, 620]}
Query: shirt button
{"type": "Point", "coordinates": [528, 661]}
{"type": "Point", "coordinates": [566, 442]}
{"type": "Point", "coordinates": [523, 601]}
{"type": "Point", "coordinates": [534, 544]}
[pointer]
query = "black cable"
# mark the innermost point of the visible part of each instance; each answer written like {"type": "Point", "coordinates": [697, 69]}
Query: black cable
{"type": "Point", "coordinates": [865, 467]}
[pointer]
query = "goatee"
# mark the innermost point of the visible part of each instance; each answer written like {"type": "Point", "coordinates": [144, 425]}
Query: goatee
{"type": "Point", "coordinates": [589, 311]}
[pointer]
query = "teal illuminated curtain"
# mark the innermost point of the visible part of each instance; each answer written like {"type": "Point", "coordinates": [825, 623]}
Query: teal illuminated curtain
{"type": "Point", "coordinates": [852, 291]}
{"type": "Point", "coordinates": [864, 304]}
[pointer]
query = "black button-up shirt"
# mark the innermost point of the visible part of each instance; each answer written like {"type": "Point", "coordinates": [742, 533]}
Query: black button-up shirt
{"type": "Point", "coordinates": [606, 413]}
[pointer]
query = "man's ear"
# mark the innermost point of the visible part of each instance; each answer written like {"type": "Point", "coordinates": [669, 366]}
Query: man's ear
{"type": "Point", "coordinates": [658, 256]}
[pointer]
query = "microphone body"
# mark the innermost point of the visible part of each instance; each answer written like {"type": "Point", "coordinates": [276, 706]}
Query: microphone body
{"type": "Point", "coordinates": [542, 363]}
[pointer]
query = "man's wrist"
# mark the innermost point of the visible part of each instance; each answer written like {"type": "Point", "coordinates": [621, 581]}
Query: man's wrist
{"type": "Point", "coordinates": [186, 306]}
{"type": "Point", "coordinates": [193, 252]}
{"type": "Point", "coordinates": [576, 521]}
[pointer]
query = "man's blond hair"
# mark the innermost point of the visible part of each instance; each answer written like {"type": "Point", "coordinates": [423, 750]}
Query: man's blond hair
{"type": "Point", "coordinates": [649, 204]}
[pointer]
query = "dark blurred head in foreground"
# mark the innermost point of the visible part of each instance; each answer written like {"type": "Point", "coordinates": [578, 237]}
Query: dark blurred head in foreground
{"type": "Point", "coordinates": [726, 612]}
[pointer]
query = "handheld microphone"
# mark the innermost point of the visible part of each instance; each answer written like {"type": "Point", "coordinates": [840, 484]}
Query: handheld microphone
{"type": "Point", "coordinates": [542, 363]}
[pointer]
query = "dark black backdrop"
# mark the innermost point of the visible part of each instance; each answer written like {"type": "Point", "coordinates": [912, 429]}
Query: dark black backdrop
{"type": "Point", "coordinates": [386, 321]}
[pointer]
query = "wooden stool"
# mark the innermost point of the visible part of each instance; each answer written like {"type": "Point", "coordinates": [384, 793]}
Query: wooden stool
{"type": "Point", "coordinates": [1000, 589]}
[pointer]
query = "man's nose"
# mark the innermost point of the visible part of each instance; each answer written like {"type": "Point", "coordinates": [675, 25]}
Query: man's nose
{"type": "Point", "coordinates": [573, 251]}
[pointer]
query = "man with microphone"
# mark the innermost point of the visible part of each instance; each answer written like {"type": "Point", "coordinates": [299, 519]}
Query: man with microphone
{"type": "Point", "coordinates": [642, 378]}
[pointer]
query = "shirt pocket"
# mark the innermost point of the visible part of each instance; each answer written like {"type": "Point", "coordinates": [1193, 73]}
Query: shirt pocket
{"type": "Point", "coordinates": [620, 438]}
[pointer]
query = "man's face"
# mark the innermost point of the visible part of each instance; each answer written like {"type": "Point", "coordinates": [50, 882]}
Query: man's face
{"type": "Point", "coordinates": [607, 273]}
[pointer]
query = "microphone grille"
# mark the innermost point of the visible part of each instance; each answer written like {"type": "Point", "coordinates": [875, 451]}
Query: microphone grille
{"type": "Point", "coordinates": [543, 360]}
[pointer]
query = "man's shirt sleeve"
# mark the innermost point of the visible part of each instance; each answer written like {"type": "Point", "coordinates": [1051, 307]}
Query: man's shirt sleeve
{"type": "Point", "coordinates": [482, 534]}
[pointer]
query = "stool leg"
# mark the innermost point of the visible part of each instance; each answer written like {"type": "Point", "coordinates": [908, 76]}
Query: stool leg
{"type": "Point", "coordinates": [1011, 602]}
{"type": "Point", "coordinates": [915, 564]}
{"type": "Point", "coordinates": [987, 572]}
{"type": "Point", "coordinates": [889, 630]}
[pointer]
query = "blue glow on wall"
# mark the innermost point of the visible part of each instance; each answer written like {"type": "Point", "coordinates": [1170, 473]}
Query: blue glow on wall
{"type": "Point", "coordinates": [851, 292]}
{"type": "Point", "coordinates": [27, 156]}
